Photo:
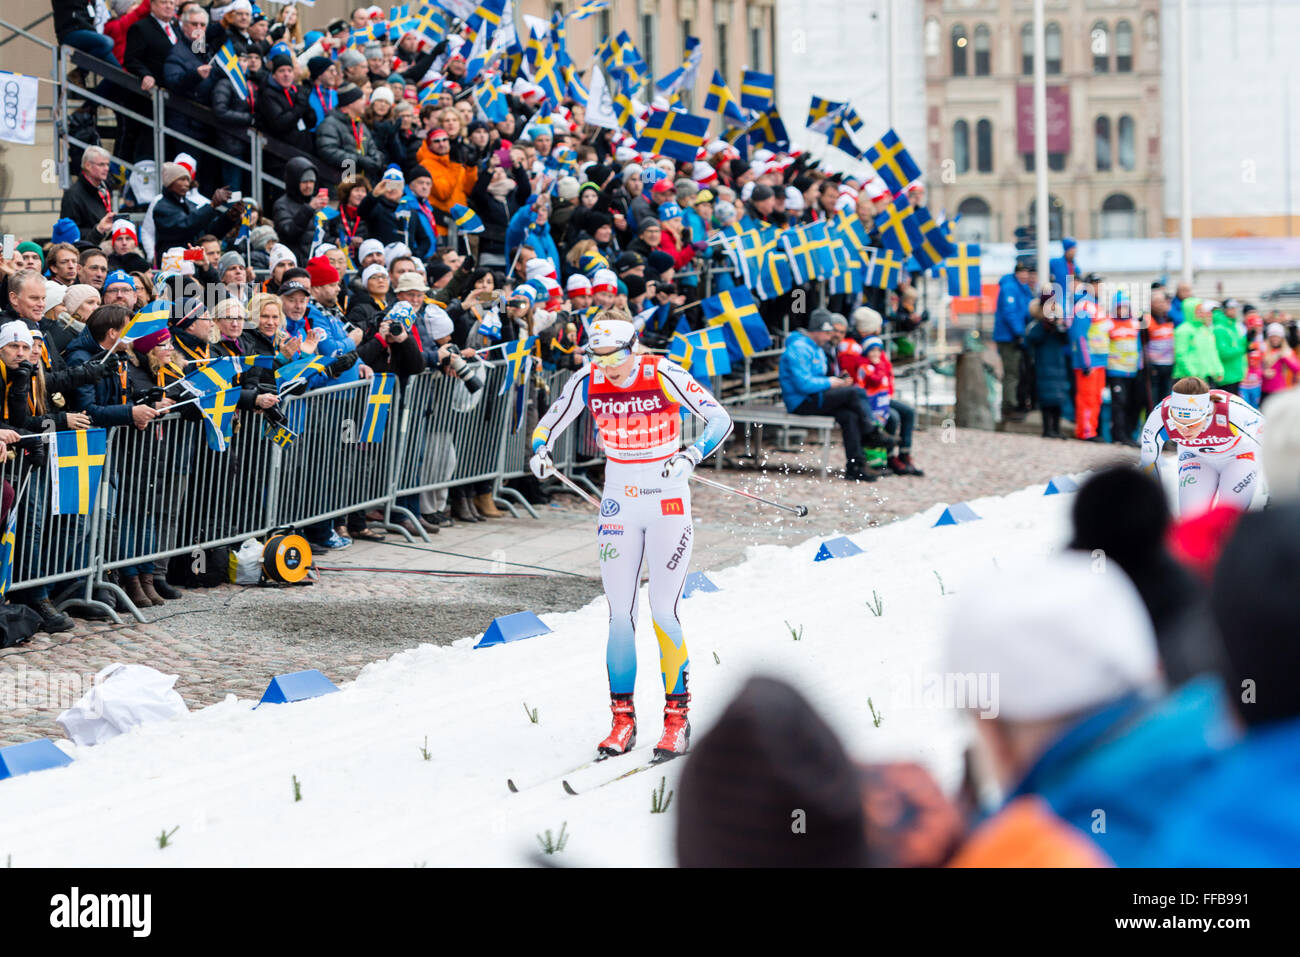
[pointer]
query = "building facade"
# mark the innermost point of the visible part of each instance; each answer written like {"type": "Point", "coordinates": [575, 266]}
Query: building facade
{"type": "Point", "coordinates": [1104, 91]}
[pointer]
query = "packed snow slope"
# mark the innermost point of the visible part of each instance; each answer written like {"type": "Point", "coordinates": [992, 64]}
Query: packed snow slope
{"type": "Point", "coordinates": [223, 776]}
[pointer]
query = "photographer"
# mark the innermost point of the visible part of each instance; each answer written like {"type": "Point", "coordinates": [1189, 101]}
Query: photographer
{"type": "Point", "coordinates": [389, 347]}
{"type": "Point", "coordinates": [1048, 338]}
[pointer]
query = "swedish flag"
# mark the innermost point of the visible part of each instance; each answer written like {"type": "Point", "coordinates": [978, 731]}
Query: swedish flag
{"type": "Point", "coordinates": [885, 270]}
{"type": "Point", "coordinates": [150, 319]}
{"type": "Point", "coordinates": [541, 56]}
{"type": "Point", "coordinates": [467, 221]}
{"type": "Point", "coordinates": [745, 328]}
{"type": "Point", "coordinates": [840, 139]}
{"type": "Point", "coordinates": [894, 226]}
{"type": "Point", "coordinates": [775, 277]}
{"type": "Point", "coordinates": [720, 100]}
{"type": "Point", "coordinates": [848, 278]}
{"type": "Point", "coordinates": [278, 434]}
{"type": "Point", "coordinates": [213, 376]}
{"type": "Point", "coordinates": [380, 401]}
{"type": "Point", "coordinates": [709, 353]}
{"type": "Point", "coordinates": [299, 369]}
{"type": "Point", "coordinates": [228, 60]}
{"type": "Point", "coordinates": [853, 232]}
{"type": "Point", "coordinates": [589, 8]}
{"type": "Point", "coordinates": [893, 162]}
{"type": "Point", "coordinates": [929, 241]}
{"type": "Point", "coordinates": [7, 551]}
{"type": "Point", "coordinates": [963, 270]}
{"type": "Point", "coordinates": [491, 100]}
{"type": "Point", "coordinates": [809, 249]}
{"type": "Point", "coordinates": [486, 17]}
{"type": "Point", "coordinates": [820, 110]}
{"type": "Point", "coordinates": [516, 353]}
{"type": "Point", "coordinates": [681, 351]}
{"type": "Point", "coordinates": [374, 30]}
{"type": "Point", "coordinates": [218, 410]}
{"type": "Point", "coordinates": [768, 131]}
{"type": "Point", "coordinates": [757, 90]}
{"type": "Point", "coordinates": [76, 464]}
{"type": "Point", "coordinates": [678, 136]}
{"type": "Point", "coordinates": [577, 91]}
{"type": "Point", "coordinates": [256, 362]}
{"type": "Point", "coordinates": [624, 110]}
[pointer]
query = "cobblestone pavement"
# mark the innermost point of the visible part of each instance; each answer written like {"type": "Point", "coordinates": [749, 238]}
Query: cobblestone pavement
{"type": "Point", "coordinates": [373, 600]}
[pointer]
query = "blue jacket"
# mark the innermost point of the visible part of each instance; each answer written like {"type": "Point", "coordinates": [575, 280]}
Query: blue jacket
{"type": "Point", "coordinates": [1061, 277]}
{"type": "Point", "coordinates": [523, 227]}
{"type": "Point", "coordinates": [1051, 350]}
{"type": "Point", "coordinates": [1242, 812]}
{"type": "Point", "coordinates": [336, 342]}
{"type": "Point", "coordinates": [1013, 309]}
{"type": "Point", "coordinates": [103, 401]}
{"type": "Point", "coordinates": [1133, 760]}
{"type": "Point", "coordinates": [803, 369]}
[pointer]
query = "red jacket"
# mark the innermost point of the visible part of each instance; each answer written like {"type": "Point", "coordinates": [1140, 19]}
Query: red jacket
{"type": "Point", "coordinates": [116, 29]}
{"type": "Point", "coordinates": [875, 376]}
{"type": "Point", "coordinates": [681, 256]}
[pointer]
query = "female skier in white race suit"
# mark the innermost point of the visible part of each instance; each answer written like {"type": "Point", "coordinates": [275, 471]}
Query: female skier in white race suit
{"type": "Point", "coordinates": [636, 401]}
{"type": "Point", "coordinates": [1217, 435]}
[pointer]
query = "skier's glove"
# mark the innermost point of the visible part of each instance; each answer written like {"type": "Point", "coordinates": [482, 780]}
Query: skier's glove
{"type": "Point", "coordinates": [680, 466]}
{"type": "Point", "coordinates": [541, 463]}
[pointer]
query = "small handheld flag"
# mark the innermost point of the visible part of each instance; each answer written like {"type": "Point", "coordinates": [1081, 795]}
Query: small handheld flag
{"type": "Point", "coordinates": [678, 136]}
{"type": "Point", "coordinates": [76, 465]}
{"type": "Point", "coordinates": [378, 404]}
{"type": "Point", "coordinates": [709, 352]}
{"type": "Point", "coordinates": [744, 326]}
{"type": "Point", "coordinates": [515, 355]}
{"type": "Point", "coordinates": [885, 270]}
{"type": "Point", "coordinates": [757, 90]}
{"type": "Point", "coordinates": [467, 221]}
{"type": "Point", "coordinates": [721, 101]}
{"type": "Point", "coordinates": [893, 162]}
{"type": "Point", "coordinates": [228, 60]}
{"type": "Point", "coordinates": [150, 319]}
{"type": "Point", "coordinates": [963, 270]}
{"type": "Point", "coordinates": [218, 410]}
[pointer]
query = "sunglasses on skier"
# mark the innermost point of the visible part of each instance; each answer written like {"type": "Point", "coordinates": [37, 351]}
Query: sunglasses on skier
{"type": "Point", "coordinates": [614, 358]}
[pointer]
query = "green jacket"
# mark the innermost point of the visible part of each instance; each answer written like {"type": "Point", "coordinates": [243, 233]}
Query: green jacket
{"type": "Point", "coordinates": [1196, 351]}
{"type": "Point", "coordinates": [1230, 339]}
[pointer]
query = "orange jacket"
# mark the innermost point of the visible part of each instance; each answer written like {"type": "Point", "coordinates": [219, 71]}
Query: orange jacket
{"type": "Point", "coordinates": [1026, 833]}
{"type": "Point", "coordinates": [452, 182]}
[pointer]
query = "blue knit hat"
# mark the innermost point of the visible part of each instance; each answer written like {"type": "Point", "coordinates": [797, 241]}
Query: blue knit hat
{"type": "Point", "coordinates": [65, 231]}
{"type": "Point", "coordinates": [119, 276]}
{"type": "Point", "coordinates": [1068, 243]}
{"type": "Point", "coordinates": [872, 342]}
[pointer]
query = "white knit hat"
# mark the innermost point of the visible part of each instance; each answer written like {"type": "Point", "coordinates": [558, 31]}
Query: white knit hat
{"type": "Point", "coordinates": [369, 248]}
{"type": "Point", "coordinates": [15, 331]}
{"type": "Point", "coordinates": [374, 269]}
{"type": "Point", "coordinates": [539, 267]}
{"type": "Point", "coordinates": [1061, 636]}
{"type": "Point", "coordinates": [281, 253]}
{"type": "Point", "coordinates": [54, 293]}
{"type": "Point", "coordinates": [578, 283]}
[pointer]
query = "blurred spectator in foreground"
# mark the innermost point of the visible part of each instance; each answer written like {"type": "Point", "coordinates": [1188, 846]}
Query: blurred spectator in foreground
{"type": "Point", "coordinates": [769, 754]}
{"type": "Point", "coordinates": [1242, 812]}
{"type": "Point", "coordinates": [1280, 447]}
{"type": "Point", "coordinates": [1121, 516]}
{"type": "Point", "coordinates": [1076, 722]}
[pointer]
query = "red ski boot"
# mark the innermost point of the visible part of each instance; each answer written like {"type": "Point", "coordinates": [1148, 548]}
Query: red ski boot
{"type": "Point", "coordinates": [622, 737]}
{"type": "Point", "coordinates": [677, 730]}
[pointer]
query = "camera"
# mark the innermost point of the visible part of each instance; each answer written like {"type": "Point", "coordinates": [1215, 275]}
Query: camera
{"type": "Point", "coordinates": [454, 365]}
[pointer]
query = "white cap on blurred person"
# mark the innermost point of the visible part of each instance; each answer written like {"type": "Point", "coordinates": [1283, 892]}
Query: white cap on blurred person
{"type": "Point", "coordinates": [1280, 455]}
{"type": "Point", "coordinates": [395, 251]}
{"type": "Point", "coordinates": [793, 200]}
{"type": "Point", "coordinates": [368, 248]}
{"type": "Point", "coordinates": [1062, 637]}
{"type": "Point", "coordinates": [15, 331]}
{"type": "Point", "coordinates": [54, 293]}
{"type": "Point", "coordinates": [1275, 329]}
{"type": "Point", "coordinates": [281, 254]}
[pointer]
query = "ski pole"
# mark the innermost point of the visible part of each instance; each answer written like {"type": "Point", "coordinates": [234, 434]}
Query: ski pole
{"type": "Point", "coordinates": [575, 488]}
{"type": "Point", "coordinates": [800, 510]}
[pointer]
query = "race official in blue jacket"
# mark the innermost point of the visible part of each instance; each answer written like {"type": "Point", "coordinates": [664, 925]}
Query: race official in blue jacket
{"type": "Point", "coordinates": [1015, 292]}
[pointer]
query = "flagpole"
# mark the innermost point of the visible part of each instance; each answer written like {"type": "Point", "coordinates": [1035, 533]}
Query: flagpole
{"type": "Point", "coordinates": [1184, 143]}
{"type": "Point", "coordinates": [891, 47]}
{"type": "Point", "coordinates": [1041, 220]}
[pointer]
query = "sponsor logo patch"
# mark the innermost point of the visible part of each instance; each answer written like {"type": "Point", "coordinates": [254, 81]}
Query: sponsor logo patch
{"type": "Point", "coordinates": [609, 507]}
{"type": "Point", "coordinates": [1240, 486]}
{"type": "Point", "coordinates": [629, 491]}
{"type": "Point", "coordinates": [608, 552]}
{"type": "Point", "coordinates": [672, 506]}
{"type": "Point", "coordinates": [1247, 455]}
{"type": "Point", "coordinates": [611, 530]}
{"type": "Point", "coordinates": [680, 551]}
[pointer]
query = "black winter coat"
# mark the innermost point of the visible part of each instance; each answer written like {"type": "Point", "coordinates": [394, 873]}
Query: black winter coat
{"type": "Point", "coordinates": [336, 145]}
{"type": "Point", "coordinates": [82, 204]}
{"type": "Point", "coordinates": [181, 77]}
{"type": "Point", "coordinates": [292, 215]}
{"type": "Point", "coordinates": [234, 117]}
{"type": "Point", "coordinates": [280, 111]}
{"type": "Point", "coordinates": [178, 222]}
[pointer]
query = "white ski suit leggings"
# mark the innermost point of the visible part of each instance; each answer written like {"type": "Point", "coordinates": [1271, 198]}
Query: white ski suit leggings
{"type": "Point", "coordinates": [644, 517]}
{"type": "Point", "coordinates": [1200, 477]}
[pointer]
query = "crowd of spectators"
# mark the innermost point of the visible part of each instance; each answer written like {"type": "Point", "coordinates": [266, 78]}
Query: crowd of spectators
{"type": "Point", "coordinates": [1079, 345]}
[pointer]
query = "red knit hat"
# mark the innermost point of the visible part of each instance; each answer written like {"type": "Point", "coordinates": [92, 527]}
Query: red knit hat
{"type": "Point", "coordinates": [146, 344]}
{"type": "Point", "coordinates": [1197, 541]}
{"type": "Point", "coordinates": [321, 272]}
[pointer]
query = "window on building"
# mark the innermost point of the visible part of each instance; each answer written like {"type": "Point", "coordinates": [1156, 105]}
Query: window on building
{"type": "Point", "coordinates": [1052, 47]}
{"type": "Point", "coordinates": [983, 50]}
{"type": "Point", "coordinates": [1119, 218]}
{"type": "Point", "coordinates": [984, 146]}
{"type": "Point", "coordinates": [557, 6]}
{"type": "Point", "coordinates": [720, 47]}
{"type": "Point", "coordinates": [933, 36]}
{"type": "Point", "coordinates": [1127, 144]}
{"type": "Point", "coordinates": [1055, 217]}
{"type": "Point", "coordinates": [976, 222]}
{"type": "Point", "coordinates": [961, 146]}
{"type": "Point", "coordinates": [1100, 45]}
{"type": "Point", "coordinates": [1151, 30]}
{"type": "Point", "coordinates": [1101, 132]}
{"type": "Point", "coordinates": [647, 43]}
{"type": "Point", "coordinates": [1123, 47]}
{"type": "Point", "coordinates": [600, 28]}
{"type": "Point", "coordinates": [1027, 49]}
{"type": "Point", "coordinates": [959, 44]}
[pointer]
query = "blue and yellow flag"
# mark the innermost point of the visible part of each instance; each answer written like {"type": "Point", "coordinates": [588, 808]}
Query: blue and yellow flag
{"type": "Point", "coordinates": [767, 131]}
{"type": "Point", "coordinates": [624, 110]}
{"type": "Point", "coordinates": [775, 277]}
{"type": "Point", "coordinates": [893, 162]}
{"type": "Point", "coordinates": [683, 78]}
{"type": "Point", "coordinates": [853, 232]}
{"type": "Point", "coordinates": [963, 270]}
{"type": "Point", "coordinates": [820, 109]}
{"type": "Point", "coordinates": [590, 261]}
{"type": "Point", "coordinates": [228, 60]}
{"type": "Point", "coordinates": [681, 351]}
{"type": "Point", "coordinates": [745, 330]}
{"type": "Point", "coordinates": [709, 353]}
{"type": "Point", "coordinates": [7, 551]}
{"type": "Point", "coordinates": [896, 228]}
{"type": "Point", "coordinates": [930, 244]}
{"type": "Point", "coordinates": [721, 101]}
{"type": "Point", "coordinates": [256, 362]}
{"type": "Point", "coordinates": [150, 319]}
{"type": "Point", "coordinates": [515, 355]}
{"type": "Point", "coordinates": [848, 278]}
{"type": "Point", "coordinates": [213, 376]}
{"type": "Point", "coordinates": [491, 100]}
{"type": "Point", "coordinates": [589, 8]}
{"type": "Point", "coordinates": [218, 410]}
{"type": "Point", "coordinates": [809, 249]}
{"type": "Point", "coordinates": [467, 221]}
{"type": "Point", "coordinates": [278, 434]}
{"type": "Point", "coordinates": [380, 401]}
{"type": "Point", "coordinates": [757, 90]}
{"type": "Point", "coordinates": [885, 270]}
{"type": "Point", "coordinates": [678, 136]}
{"type": "Point", "coordinates": [300, 369]}
{"type": "Point", "coordinates": [76, 464]}
{"type": "Point", "coordinates": [545, 65]}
